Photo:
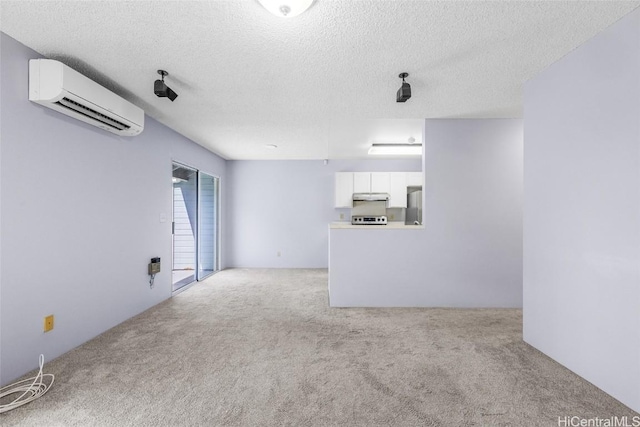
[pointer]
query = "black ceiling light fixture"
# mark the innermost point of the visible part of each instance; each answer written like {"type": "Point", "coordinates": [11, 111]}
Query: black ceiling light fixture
{"type": "Point", "coordinates": [404, 92]}
{"type": "Point", "coordinates": [162, 90]}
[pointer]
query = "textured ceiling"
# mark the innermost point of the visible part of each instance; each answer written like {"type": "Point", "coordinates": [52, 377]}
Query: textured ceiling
{"type": "Point", "coordinates": [321, 85]}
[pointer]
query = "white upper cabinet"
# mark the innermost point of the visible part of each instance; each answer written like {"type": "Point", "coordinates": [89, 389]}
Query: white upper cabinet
{"type": "Point", "coordinates": [362, 182]}
{"type": "Point", "coordinates": [414, 179]}
{"type": "Point", "coordinates": [397, 190]}
{"type": "Point", "coordinates": [344, 190]}
{"type": "Point", "coordinates": [380, 182]}
{"type": "Point", "coordinates": [371, 182]}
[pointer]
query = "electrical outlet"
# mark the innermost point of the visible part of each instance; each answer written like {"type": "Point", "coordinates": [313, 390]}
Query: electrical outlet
{"type": "Point", "coordinates": [278, 253]}
{"type": "Point", "coordinates": [48, 323]}
{"type": "Point", "coordinates": [341, 216]}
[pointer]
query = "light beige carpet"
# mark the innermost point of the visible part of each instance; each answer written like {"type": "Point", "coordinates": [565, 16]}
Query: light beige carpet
{"type": "Point", "coordinates": [262, 348]}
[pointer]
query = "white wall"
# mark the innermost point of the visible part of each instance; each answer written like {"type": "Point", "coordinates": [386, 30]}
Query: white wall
{"type": "Point", "coordinates": [582, 211]}
{"type": "Point", "coordinates": [80, 219]}
{"type": "Point", "coordinates": [286, 206]}
{"type": "Point", "coordinates": [469, 253]}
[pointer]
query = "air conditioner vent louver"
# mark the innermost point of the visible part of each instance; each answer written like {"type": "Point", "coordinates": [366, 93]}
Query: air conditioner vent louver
{"type": "Point", "coordinates": [79, 108]}
{"type": "Point", "coordinates": [61, 88]}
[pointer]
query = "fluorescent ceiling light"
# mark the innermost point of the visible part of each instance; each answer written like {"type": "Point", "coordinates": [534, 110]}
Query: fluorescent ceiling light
{"type": "Point", "coordinates": [286, 8]}
{"type": "Point", "coordinates": [396, 149]}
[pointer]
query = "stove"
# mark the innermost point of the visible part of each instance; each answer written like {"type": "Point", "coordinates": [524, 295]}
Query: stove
{"type": "Point", "coordinates": [369, 220]}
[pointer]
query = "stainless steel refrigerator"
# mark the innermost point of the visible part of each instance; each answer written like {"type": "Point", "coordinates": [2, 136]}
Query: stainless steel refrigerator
{"type": "Point", "coordinates": [414, 208]}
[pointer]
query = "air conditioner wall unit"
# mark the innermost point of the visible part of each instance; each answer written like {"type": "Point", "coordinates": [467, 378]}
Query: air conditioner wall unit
{"type": "Point", "coordinates": [61, 88]}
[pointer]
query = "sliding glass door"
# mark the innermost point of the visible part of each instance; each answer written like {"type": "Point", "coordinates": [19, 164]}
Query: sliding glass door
{"type": "Point", "coordinates": [208, 225]}
{"type": "Point", "coordinates": [184, 225]}
{"type": "Point", "coordinates": [195, 225]}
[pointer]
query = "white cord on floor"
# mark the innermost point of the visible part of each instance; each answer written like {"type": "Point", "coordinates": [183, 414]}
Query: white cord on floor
{"type": "Point", "coordinates": [32, 391]}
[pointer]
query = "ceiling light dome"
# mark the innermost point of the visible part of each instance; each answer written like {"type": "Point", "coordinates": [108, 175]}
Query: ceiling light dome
{"type": "Point", "coordinates": [286, 8]}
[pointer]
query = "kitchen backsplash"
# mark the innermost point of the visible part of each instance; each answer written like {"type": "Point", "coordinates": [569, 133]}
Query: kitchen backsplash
{"type": "Point", "coordinates": [395, 214]}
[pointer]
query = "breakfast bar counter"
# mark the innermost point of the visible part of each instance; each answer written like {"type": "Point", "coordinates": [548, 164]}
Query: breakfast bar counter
{"type": "Point", "coordinates": [393, 225]}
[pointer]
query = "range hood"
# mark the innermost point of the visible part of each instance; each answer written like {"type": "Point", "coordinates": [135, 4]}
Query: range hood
{"type": "Point", "coordinates": [370, 197]}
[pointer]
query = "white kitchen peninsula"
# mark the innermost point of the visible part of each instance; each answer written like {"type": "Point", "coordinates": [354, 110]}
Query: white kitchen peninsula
{"type": "Point", "coordinates": [396, 265]}
{"type": "Point", "coordinates": [368, 263]}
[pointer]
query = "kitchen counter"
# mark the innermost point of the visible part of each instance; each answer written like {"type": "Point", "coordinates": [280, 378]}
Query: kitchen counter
{"type": "Point", "coordinates": [393, 225]}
